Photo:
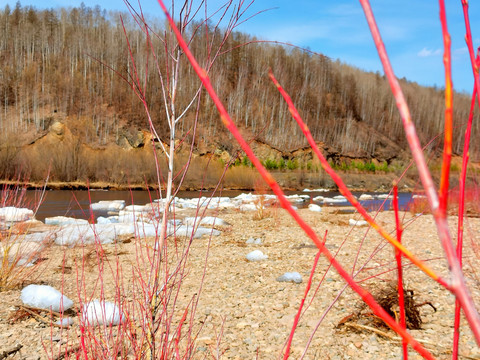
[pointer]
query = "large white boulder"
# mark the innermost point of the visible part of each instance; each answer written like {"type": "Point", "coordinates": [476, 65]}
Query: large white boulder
{"type": "Point", "coordinates": [64, 220]}
{"type": "Point", "coordinates": [45, 297]}
{"type": "Point", "coordinates": [314, 207]}
{"type": "Point", "coordinates": [99, 312]}
{"type": "Point", "coordinates": [108, 205]}
{"type": "Point", "coordinates": [71, 235]}
{"type": "Point", "coordinates": [13, 214]}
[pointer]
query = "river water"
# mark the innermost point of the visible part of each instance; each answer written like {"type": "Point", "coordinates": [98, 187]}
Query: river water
{"type": "Point", "coordinates": [75, 203]}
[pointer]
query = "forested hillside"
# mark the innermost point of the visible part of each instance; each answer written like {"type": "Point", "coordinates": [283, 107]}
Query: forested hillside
{"type": "Point", "coordinates": [68, 65]}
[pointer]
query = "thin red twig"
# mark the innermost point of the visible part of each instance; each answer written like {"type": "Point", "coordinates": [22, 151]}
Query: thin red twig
{"type": "Point", "coordinates": [461, 211]}
{"type": "Point", "coordinates": [299, 312]}
{"type": "Point", "coordinates": [398, 258]}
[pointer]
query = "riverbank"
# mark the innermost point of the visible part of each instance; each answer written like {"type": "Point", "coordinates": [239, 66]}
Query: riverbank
{"type": "Point", "coordinates": [245, 179]}
{"type": "Point", "coordinates": [243, 310]}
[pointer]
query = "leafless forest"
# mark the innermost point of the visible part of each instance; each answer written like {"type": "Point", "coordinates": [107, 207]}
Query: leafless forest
{"type": "Point", "coordinates": [70, 65]}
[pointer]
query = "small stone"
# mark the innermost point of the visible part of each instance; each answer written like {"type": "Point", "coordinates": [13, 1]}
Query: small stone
{"type": "Point", "coordinates": [206, 340]}
{"type": "Point", "coordinates": [241, 325]}
{"type": "Point", "coordinates": [290, 277]}
{"type": "Point", "coordinates": [256, 255]}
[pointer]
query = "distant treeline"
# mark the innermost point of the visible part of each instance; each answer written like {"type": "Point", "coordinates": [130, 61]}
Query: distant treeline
{"type": "Point", "coordinates": [71, 62]}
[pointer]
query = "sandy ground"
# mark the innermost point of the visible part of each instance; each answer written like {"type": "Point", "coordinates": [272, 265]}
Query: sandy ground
{"type": "Point", "coordinates": [243, 312]}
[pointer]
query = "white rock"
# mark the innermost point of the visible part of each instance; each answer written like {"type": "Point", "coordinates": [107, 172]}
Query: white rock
{"type": "Point", "coordinates": [101, 313]}
{"type": "Point", "coordinates": [63, 220]}
{"type": "Point", "coordinates": [207, 220]}
{"type": "Point", "coordinates": [353, 222]}
{"type": "Point", "coordinates": [64, 322]}
{"type": "Point", "coordinates": [188, 204]}
{"type": "Point", "coordinates": [107, 220]}
{"type": "Point", "coordinates": [13, 214]}
{"type": "Point", "coordinates": [41, 237]}
{"type": "Point", "coordinates": [45, 297]}
{"type": "Point", "coordinates": [205, 231]}
{"type": "Point", "coordinates": [298, 198]}
{"type": "Point", "coordinates": [384, 196]}
{"type": "Point", "coordinates": [245, 197]}
{"type": "Point", "coordinates": [138, 208]}
{"type": "Point", "coordinates": [256, 255]}
{"type": "Point", "coordinates": [215, 202]}
{"type": "Point", "coordinates": [417, 196]}
{"type": "Point", "coordinates": [21, 252]}
{"type": "Point", "coordinates": [227, 205]}
{"type": "Point", "coordinates": [71, 235]}
{"type": "Point", "coordinates": [335, 200]}
{"type": "Point", "coordinates": [365, 197]}
{"type": "Point", "coordinates": [127, 217]}
{"type": "Point", "coordinates": [145, 229]}
{"type": "Point", "coordinates": [108, 205]}
{"type": "Point", "coordinates": [186, 231]}
{"type": "Point", "coordinates": [314, 207]}
{"type": "Point", "coordinates": [252, 240]}
{"type": "Point", "coordinates": [290, 277]}
{"type": "Point", "coordinates": [248, 207]}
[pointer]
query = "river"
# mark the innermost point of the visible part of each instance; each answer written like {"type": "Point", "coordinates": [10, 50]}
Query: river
{"type": "Point", "coordinates": [75, 203]}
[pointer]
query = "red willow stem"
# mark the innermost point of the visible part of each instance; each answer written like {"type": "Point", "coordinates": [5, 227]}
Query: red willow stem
{"type": "Point", "coordinates": [461, 210]}
{"type": "Point", "coordinates": [458, 285]}
{"type": "Point", "coordinates": [398, 258]}
{"type": "Point", "coordinates": [447, 142]}
{"type": "Point", "coordinates": [468, 40]}
{"type": "Point", "coordinates": [179, 333]}
{"type": "Point", "coordinates": [227, 121]}
{"type": "Point", "coordinates": [299, 312]}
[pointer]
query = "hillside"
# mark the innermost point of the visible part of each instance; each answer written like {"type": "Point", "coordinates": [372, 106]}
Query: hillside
{"type": "Point", "coordinates": [65, 104]}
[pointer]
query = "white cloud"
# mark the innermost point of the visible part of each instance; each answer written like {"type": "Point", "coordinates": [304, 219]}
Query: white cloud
{"type": "Point", "coordinates": [427, 52]}
{"type": "Point", "coordinates": [460, 51]}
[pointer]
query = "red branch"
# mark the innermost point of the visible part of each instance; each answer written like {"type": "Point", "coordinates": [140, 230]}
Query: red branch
{"type": "Point", "coordinates": [447, 142]}
{"type": "Point", "coordinates": [299, 312]}
{"type": "Point", "coordinates": [398, 258]}
{"type": "Point", "coordinates": [461, 210]}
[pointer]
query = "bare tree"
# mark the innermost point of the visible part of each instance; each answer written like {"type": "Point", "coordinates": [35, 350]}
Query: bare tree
{"type": "Point", "coordinates": [166, 59]}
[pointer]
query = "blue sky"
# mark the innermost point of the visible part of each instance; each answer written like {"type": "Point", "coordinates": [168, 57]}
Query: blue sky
{"type": "Point", "coordinates": [411, 30]}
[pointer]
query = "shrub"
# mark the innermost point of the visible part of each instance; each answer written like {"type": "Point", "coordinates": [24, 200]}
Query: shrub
{"type": "Point", "coordinates": [292, 164]}
{"type": "Point", "coordinates": [271, 164]}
